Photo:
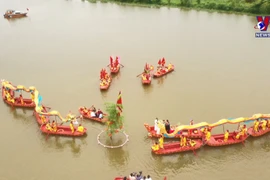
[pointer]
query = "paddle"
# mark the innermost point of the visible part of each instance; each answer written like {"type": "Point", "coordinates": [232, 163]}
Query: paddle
{"type": "Point", "coordinates": [139, 74]}
{"type": "Point", "coordinates": [194, 152]}
{"type": "Point", "coordinates": [122, 65]}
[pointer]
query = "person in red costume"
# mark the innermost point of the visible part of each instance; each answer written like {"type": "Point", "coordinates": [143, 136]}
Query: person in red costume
{"type": "Point", "coordinates": [111, 61]}
{"type": "Point", "coordinates": [116, 63]}
{"type": "Point", "coordinates": [159, 62]}
{"type": "Point", "coordinates": [163, 62]}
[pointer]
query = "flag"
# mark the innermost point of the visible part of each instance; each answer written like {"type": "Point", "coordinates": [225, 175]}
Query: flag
{"type": "Point", "coordinates": [159, 62]}
{"type": "Point", "coordinates": [111, 60]}
{"type": "Point", "coordinates": [119, 103]}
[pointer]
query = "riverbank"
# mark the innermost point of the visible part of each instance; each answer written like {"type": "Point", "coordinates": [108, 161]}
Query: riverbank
{"type": "Point", "coordinates": [255, 7]}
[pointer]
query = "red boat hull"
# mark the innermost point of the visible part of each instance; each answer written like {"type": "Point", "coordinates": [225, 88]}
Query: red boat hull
{"type": "Point", "coordinates": [196, 133]}
{"type": "Point", "coordinates": [28, 103]}
{"type": "Point", "coordinates": [146, 81]}
{"type": "Point", "coordinates": [106, 86]}
{"type": "Point", "coordinates": [218, 140]}
{"type": "Point", "coordinates": [174, 147]}
{"type": "Point", "coordinates": [257, 134]}
{"type": "Point", "coordinates": [156, 74]}
{"type": "Point", "coordinates": [15, 15]}
{"type": "Point", "coordinates": [115, 70]}
{"type": "Point", "coordinates": [87, 116]}
{"type": "Point", "coordinates": [62, 131]}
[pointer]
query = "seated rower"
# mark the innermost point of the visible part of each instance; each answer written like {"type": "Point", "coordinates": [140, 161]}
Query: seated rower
{"type": "Point", "coordinates": [155, 147]}
{"type": "Point", "coordinates": [264, 124]}
{"type": "Point", "coordinates": [207, 134]}
{"type": "Point", "coordinates": [192, 143]}
{"type": "Point", "coordinates": [43, 119]}
{"type": "Point", "coordinates": [144, 77]}
{"type": "Point", "coordinates": [80, 128]}
{"type": "Point", "coordinates": [169, 66]}
{"type": "Point", "coordinates": [99, 114]}
{"type": "Point", "coordinates": [183, 141]}
{"type": "Point", "coordinates": [71, 126]}
{"type": "Point", "coordinates": [10, 99]}
{"type": "Point", "coordinates": [70, 116]}
{"type": "Point", "coordinates": [226, 136]}
{"type": "Point", "coordinates": [268, 123]}
{"type": "Point", "coordinates": [256, 125]}
{"type": "Point", "coordinates": [92, 114]}
{"type": "Point", "coordinates": [21, 100]}
{"type": "Point", "coordinates": [32, 96]}
{"type": "Point", "coordinates": [85, 110]}
{"type": "Point", "coordinates": [190, 131]}
{"type": "Point", "coordinates": [54, 126]}
{"type": "Point", "coordinates": [161, 141]}
{"type": "Point", "coordinates": [242, 132]}
{"type": "Point", "coordinates": [48, 126]}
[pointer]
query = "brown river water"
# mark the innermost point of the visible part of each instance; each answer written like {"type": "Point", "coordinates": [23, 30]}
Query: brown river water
{"type": "Point", "coordinates": [221, 71]}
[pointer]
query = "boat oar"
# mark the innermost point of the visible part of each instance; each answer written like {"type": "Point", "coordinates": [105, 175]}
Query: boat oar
{"type": "Point", "coordinates": [243, 142]}
{"type": "Point", "coordinates": [122, 65]}
{"type": "Point", "coordinates": [194, 152]}
{"type": "Point", "coordinates": [139, 75]}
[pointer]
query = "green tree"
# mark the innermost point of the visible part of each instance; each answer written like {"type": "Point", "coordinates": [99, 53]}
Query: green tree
{"type": "Point", "coordinates": [115, 119]}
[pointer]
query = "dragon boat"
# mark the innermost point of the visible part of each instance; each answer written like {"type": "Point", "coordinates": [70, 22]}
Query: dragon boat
{"type": "Point", "coordinates": [27, 103]}
{"type": "Point", "coordinates": [62, 131]}
{"type": "Point", "coordinates": [162, 73]}
{"type": "Point", "coordinates": [189, 133]}
{"type": "Point", "coordinates": [218, 139]}
{"type": "Point", "coordinates": [87, 116]}
{"type": "Point", "coordinates": [105, 84]}
{"type": "Point", "coordinates": [15, 14]}
{"type": "Point", "coordinates": [174, 147]}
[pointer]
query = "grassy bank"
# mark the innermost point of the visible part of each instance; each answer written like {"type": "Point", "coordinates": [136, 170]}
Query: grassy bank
{"type": "Point", "coordinates": [239, 6]}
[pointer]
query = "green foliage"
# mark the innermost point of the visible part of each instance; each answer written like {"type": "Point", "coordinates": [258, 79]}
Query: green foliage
{"type": "Point", "coordinates": [115, 122]}
{"type": "Point", "coordinates": [241, 6]}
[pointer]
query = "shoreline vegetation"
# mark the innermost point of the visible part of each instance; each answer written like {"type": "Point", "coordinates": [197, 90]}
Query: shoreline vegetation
{"type": "Point", "coordinates": [254, 7]}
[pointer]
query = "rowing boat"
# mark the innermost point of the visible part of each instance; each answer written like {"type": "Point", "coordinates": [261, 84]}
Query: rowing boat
{"type": "Point", "coordinates": [159, 74]}
{"type": "Point", "coordinates": [218, 139]}
{"type": "Point", "coordinates": [106, 85]}
{"type": "Point", "coordinates": [174, 147]}
{"type": "Point", "coordinates": [87, 116]}
{"type": "Point", "coordinates": [62, 131]}
{"type": "Point", "coordinates": [38, 117]}
{"type": "Point", "coordinates": [115, 70]}
{"type": "Point", "coordinates": [259, 133]}
{"type": "Point", "coordinates": [28, 103]}
{"type": "Point", "coordinates": [14, 14]}
{"type": "Point", "coordinates": [146, 81]}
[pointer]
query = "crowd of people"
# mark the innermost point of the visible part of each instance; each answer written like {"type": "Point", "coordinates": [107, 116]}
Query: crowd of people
{"type": "Point", "coordinates": [53, 127]}
{"type": "Point", "coordinates": [163, 125]}
{"type": "Point", "coordinates": [92, 112]}
{"type": "Point", "coordinates": [137, 176]}
{"type": "Point", "coordinates": [105, 78]}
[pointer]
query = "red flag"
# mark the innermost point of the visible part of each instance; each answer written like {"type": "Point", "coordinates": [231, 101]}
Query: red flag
{"type": "Point", "coordinates": [159, 62]}
{"type": "Point", "coordinates": [111, 61]}
{"type": "Point", "coordinates": [119, 103]}
{"type": "Point", "coordinates": [163, 61]}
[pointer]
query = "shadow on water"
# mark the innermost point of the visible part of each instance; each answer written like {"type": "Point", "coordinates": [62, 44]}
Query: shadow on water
{"type": "Point", "coordinates": [60, 143]}
{"type": "Point", "coordinates": [117, 76]}
{"type": "Point", "coordinates": [148, 88]}
{"type": "Point", "coordinates": [25, 115]}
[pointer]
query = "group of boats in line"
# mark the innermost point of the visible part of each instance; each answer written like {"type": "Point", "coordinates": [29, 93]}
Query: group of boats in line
{"type": "Point", "coordinates": [194, 136]}
{"type": "Point", "coordinates": [146, 75]}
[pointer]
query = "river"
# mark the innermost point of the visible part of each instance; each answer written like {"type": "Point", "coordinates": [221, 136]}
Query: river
{"type": "Point", "coordinates": [221, 71]}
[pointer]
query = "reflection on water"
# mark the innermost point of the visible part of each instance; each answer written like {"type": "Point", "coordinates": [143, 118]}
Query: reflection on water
{"type": "Point", "coordinates": [118, 158]}
{"type": "Point", "coordinates": [117, 76]}
{"type": "Point", "coordinates": [16, 113]}
{"type": "Point", "coordinates": [160, 80]}
{"type": "Point", "coordinates": [61, 143]}
{"type": "Point", "coordinates": [148, 88]}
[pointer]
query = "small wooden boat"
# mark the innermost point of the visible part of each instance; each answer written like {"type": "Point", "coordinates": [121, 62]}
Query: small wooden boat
{"type": "Point", "coordinates": [146, 81]}
{"type": "Point", "coordinates": [218, 140]}
{"type": "Point", "coordinates": [159, 74]}
{"type": "Point", "coordinates": [115, 70]}
{"type": "Point", "coordinates": [28, 103]}
{"type": "Point", "coordinates": [62, 131]}
{"type": "Point", "coordinates": [106, 85]}
{"type": "Point", "coordinates": [195, 133]}
{"type": "Point", "coordinates": [15, 14]}
{"type": "Point", "coordinates": [87, 116]}
{"type": "Point", "coordinates": [174, 147]}
{"type": "Point", "coordinates": [259, 133]}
